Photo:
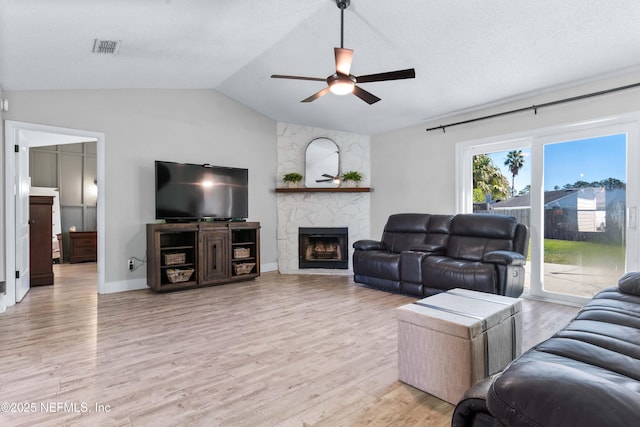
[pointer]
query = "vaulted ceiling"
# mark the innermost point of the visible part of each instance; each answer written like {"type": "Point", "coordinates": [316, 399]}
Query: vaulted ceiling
{"type": "Point", "coordinates": [467, 53]}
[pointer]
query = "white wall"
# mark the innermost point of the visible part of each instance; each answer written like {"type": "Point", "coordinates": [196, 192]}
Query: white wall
{"type": "Point", "coordinates": [140, 126]}
{"type": "Point", "coordinates": [414, 170]}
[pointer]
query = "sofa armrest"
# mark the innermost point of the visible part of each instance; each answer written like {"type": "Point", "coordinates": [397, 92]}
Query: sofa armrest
{"type": "Point", "coordinates": [429, 248]}
{"type": "Point", "coordinates": [630, 283]}
{"type": "Point", "coordinates": [368, 245]}
{"type": "Point", "coordinates": [504, 258]}
{"type": "Point", "coordinates": [510, 267]}
{"type": "Point", "coordinates": [472, 409]}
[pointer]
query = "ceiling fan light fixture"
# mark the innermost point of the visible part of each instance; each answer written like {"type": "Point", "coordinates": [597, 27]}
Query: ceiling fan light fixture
{"type": "Point", "coordinates": [341, 84]}
{"type": "Point", "coordinates": [341, 88]}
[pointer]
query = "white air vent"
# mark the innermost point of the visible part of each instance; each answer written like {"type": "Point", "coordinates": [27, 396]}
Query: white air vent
{"type": "Point", "coordinates": [105, 46]}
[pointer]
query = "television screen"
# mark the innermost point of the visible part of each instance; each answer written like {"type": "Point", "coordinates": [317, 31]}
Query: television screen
{"type": "Point", "coordinates": [189, 191]}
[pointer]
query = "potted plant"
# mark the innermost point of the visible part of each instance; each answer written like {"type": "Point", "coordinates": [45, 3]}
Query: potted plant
{"type": "Point", "coordinates": [292, 178]}
{"type": "Point", "coordinates": [352, 178]}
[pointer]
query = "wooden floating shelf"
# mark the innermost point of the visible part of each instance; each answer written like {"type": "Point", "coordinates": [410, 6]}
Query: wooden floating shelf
{"type": "Point", "coordinates": [324, 190]}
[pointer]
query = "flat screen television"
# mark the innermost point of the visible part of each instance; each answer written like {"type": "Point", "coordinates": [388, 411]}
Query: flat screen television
{"type": "Point", "coordinates": [190, 192]}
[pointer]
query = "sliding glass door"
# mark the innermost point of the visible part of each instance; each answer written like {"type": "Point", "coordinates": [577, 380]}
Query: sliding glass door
{"type": "Point", "coordinates": [576, 188]}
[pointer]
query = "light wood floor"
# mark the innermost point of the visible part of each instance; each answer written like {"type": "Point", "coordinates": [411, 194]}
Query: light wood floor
{"type": "Point", "coordinates": [286, 350]}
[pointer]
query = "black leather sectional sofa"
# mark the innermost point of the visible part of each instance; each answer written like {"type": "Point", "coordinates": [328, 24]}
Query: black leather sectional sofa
{"type": "Point", "coordinates": [587, 374]}
{"type": "Point", "coordinates": [424, 254]}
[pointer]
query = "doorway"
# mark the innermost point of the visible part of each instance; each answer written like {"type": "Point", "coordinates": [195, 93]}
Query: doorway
{"type": "Point", "coordinates": [19, 136]}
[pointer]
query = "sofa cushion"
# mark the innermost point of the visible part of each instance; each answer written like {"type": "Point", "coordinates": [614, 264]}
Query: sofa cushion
{"type": "Point", "coordinates": [473, 248]}
{"type": "Point", "coordinates": [473, 235]}
{"type": "Point", "coordinates": [442, 272]}
{"type": "Point", "coordinates": [439, 229]}
{"type": "Point", "coordinates": [613, 301]}
{"type": "Point", "coordinates": [484, 225]}
{"type": "Point", "coordinates": [405, 231]}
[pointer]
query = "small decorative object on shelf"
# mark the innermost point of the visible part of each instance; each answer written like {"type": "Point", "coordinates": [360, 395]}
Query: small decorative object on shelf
{"type": "Point", "coordinates": [351, 178]}
{"type": "Point", "coordinates": [241, 253]}
{"type": "Point", "coordinates": [175, 258]}
{"type": "Point", "coordinates": [177, 276]}
{"type": "Point", "coordinates": [292, 178]}
{"type": "Point", "coordinates": [243, 268]}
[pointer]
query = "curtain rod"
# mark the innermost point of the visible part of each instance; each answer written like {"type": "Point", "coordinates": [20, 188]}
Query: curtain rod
{"type": "Point", "coordinates": [535, 108]}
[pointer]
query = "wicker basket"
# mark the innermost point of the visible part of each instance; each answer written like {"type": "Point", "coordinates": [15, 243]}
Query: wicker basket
{"type": "Point", "coordinates": [241, 252]}
{"type": "Point", "coordinates": [176, 276]}
{"type": "Point", "coordinates": [175, 258]}
{"type": "Point", "coordinates": [244, 268]}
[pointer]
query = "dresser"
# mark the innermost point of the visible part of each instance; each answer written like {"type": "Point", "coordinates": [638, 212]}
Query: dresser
{"type": "Point", "coordinates": [40, 240]}
{"type": "Point", "coordinates": [83, 246]}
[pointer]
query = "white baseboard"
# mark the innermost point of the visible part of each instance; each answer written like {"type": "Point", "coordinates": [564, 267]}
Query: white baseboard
{"type": "Point", "coordinates": [125, 285]}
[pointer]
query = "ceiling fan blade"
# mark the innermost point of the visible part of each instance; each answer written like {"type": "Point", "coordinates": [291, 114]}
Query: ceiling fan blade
{"type": "Point", "coordinates": [409, 73]}
{"type": "Point", "coordinates": [317, 95]}
{"type": "Point", "coordinates": [324, 180]}
{"type": "Point", "coordinates": [315, 79]}
{"type": "Point", "coordinates": [367, 97]}
{"type": "Point", "coordinates": [326, 175]}
{"type": "Point", "coordinates": [343, 60]}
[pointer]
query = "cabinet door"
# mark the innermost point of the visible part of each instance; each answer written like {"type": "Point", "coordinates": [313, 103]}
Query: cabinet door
{"type": "Point", "coordinates": [214, 256]}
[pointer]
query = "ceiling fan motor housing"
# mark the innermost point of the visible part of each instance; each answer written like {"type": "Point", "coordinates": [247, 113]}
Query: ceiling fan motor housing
{"type": "Point", "coordinates": [343, 4]}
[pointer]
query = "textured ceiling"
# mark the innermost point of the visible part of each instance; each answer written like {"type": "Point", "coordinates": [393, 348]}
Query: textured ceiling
{"type": "Point", "coordinates": [466, 53]}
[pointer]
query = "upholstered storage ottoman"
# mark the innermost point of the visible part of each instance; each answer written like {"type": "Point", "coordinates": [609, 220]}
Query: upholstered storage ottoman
{"type": "Point", "coordinates": [449, 341]}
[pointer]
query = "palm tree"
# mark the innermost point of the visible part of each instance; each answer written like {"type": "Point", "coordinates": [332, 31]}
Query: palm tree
{"type": "Point", "coordinates": [487, 179]}
{"type": "Point", "coordinates": [515, 162]}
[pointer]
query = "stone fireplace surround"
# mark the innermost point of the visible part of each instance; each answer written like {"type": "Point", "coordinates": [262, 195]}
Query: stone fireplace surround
{"type": "Point", "coordinates": [311, 209]}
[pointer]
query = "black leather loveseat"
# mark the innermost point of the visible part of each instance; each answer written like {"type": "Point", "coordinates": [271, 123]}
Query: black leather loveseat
{"type": "Point", "coordinates": [423, 254]}
{"type": "Point", "coordinates": [587, 374]}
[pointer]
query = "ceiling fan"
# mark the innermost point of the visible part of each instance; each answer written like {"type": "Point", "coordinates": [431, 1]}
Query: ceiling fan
{"type": "Point", "coordinates": [342, 82]}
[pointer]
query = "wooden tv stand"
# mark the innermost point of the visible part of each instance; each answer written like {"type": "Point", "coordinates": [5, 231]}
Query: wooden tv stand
{"type": "Point", "coordinates": [214, 252]}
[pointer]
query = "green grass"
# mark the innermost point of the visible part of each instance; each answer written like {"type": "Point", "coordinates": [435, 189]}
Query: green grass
{"type": "Point", "coordinates": [583, 253]}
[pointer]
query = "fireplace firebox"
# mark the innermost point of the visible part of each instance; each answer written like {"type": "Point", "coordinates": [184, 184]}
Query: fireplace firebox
{"type": "Point", "coordinates": [323, 247]}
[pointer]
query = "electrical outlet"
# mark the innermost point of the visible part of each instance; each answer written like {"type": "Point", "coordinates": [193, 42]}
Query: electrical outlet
{"type": "Point", "coordinates": [130, 264]}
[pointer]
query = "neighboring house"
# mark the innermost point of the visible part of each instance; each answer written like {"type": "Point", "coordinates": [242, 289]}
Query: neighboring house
{"type": "Point", "coordinates": [583, 214]}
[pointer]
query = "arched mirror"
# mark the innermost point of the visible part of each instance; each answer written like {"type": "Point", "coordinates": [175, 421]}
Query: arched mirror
{"type": "Point", "coordinates": [322, 163]}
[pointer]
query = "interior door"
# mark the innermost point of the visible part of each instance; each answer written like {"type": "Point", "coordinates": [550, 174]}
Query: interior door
{"type": "Point", "coordinates": [23, 184]}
